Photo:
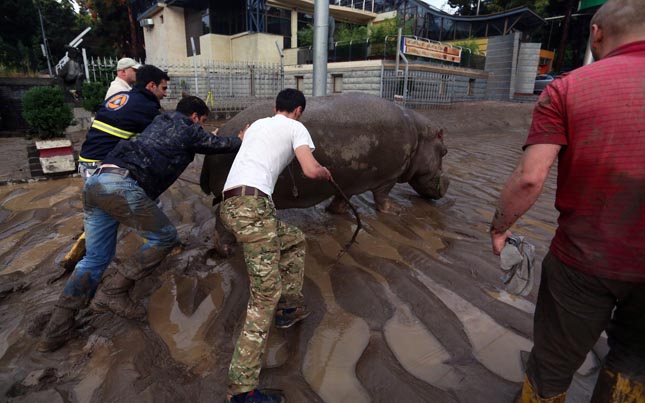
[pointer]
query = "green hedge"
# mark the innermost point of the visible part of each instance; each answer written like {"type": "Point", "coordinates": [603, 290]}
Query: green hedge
{"type": "Point", "coordinates": [45, 110]}
{"type": "Point", "coordinates": [93, 95]}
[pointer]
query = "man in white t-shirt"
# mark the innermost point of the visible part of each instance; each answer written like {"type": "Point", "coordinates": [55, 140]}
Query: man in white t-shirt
{"type": "Point", "coordinates": [126, 76]}
{"type": "Point", "coordinates": [274, 251]}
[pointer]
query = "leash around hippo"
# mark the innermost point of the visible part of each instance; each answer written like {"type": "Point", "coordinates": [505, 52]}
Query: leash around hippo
{"type": "Point", "coordinates": [359, 225]}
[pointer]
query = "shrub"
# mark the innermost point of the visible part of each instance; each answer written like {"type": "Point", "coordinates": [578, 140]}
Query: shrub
{"type": "Point", "coordinates": [93, 95]}
{"type": "Point", "coordinates": [45, 110]}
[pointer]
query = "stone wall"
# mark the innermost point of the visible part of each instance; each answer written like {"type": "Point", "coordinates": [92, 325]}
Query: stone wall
{"type": "Point", "coordinates": [367, 76]}
{"type": "Point", "coordinates": [343, 77]}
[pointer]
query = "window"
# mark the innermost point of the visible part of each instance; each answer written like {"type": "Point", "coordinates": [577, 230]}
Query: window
{"type": "Point", "coordinates": [337, 83]}
{"type": "Point", "coordinates": [300, 83]}
{"type": "Point", "coordinates": [279, 23]}
{"type": "Point", "coordinates": [194, 25]}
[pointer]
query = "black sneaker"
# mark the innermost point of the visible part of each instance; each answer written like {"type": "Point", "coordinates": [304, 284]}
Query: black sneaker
{"type": "Point", "coordinates": [287, 317]}
{"type": "Point", "coordinates": [258, 396]}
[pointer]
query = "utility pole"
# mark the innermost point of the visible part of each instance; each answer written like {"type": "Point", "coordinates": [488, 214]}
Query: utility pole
{"type": "Point", "coordinates": [321, 32]}
{"type": "Point", "coordinates": [45, 45]}
{"type": "Point", "coordinates": [565, 33]}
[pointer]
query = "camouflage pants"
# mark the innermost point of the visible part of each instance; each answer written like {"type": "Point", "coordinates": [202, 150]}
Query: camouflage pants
{"type": "Point", "coordinates": [274, 253]}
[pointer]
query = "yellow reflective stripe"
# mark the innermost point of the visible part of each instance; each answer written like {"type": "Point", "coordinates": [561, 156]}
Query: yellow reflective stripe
{"type": "Point", "coordinates": [80, 158]}
{"type": "Point", "coordinates": [115, 131]}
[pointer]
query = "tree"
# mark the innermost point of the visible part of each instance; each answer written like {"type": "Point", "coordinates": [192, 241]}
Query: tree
{"type": "Point", "coordinates": [115, 28]}
{"type": "Point", "coordinates": [469, 7]}
{"type": "Point", "coordinates": [21, 33]}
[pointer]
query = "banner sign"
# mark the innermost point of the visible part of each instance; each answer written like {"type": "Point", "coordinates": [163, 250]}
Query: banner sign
{"type": "Point", "coordinates": [431, 50]}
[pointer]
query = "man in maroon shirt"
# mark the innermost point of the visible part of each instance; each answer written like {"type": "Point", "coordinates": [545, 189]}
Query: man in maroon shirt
{"type": "Point", "coordinates": [593, 278]}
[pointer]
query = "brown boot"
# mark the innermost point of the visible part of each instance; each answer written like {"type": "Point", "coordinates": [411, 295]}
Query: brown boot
{"type": "Point", "coordinates": [529, 395]}
{"type": "Point", "coordinates": [60, 328]}
{"type": "Point", "coordinates": [113, 296]}
{"type": "Point", "coordinates": [614, 387]}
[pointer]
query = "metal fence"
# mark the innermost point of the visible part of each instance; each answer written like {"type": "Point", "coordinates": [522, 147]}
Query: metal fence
{"type": "Point", "coordinates": [225, 87]}
{"type": "Point", "coordinates": [228, 88]}
{"type": "Point", "coordinates": [417, 89]}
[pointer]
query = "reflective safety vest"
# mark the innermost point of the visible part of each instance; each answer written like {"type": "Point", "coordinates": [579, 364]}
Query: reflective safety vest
{"type": "Point", "coordinates": [121, 117]}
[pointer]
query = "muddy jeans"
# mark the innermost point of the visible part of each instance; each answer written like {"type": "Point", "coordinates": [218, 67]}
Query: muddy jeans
{"type": "Point", "coordinates": [573, 309]}
{"type": "Point", "coordinates": [108, 200]}
{"type": "Point", "coordinates": [274, 253]}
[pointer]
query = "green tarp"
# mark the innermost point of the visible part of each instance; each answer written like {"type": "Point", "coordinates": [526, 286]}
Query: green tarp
{"type": "Point", "coordinates": [590, 3]}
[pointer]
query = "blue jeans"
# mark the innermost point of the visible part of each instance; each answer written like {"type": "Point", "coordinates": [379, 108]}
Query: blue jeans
{"type": "Point", "coordinates": [109, 200]}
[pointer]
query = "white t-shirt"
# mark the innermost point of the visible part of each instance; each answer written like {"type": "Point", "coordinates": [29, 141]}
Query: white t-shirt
{"type": "Point", "coordinates": [267, 148]}
{"type": "Point", "coordinates": [117, 85]}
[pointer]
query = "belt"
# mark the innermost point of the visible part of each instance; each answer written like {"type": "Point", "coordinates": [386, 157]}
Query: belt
{"type": "Point", "coordinates": [243, 191]}
{"type": "Point", "coordinates": [112, 170]}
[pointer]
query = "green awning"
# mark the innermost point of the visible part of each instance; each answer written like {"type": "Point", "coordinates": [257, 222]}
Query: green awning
{"type": "Point", "coordinates": [590, 3]}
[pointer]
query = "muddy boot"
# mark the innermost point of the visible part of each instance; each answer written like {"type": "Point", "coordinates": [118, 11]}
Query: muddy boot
{"type": "Point", "coordinates": [614, 387]}
{"type": "Point", "coordinates": [113, 296]}
{"type": "Point", "coordinates": [529, 395]}
{"type": "Point", "coordinates": [60, 328]}
{"type": "Point", "coordinates": [74, 255]}
{"type": "Point", "coordinates": [287, 317]}
{"type": "Point", "coordinates": [257, 396]}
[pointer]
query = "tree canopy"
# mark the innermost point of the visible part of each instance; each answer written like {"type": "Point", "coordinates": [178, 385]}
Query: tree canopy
{"type": "Point", "coordinates": [114, 31]}
{"type": "Point", "coordinates": [469, 7]}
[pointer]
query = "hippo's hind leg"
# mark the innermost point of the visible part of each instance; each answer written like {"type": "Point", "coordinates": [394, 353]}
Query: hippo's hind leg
{"type": "Point", "coordinates": [338, 205]}
{"type": "Point", "coordinates": [384, 203]}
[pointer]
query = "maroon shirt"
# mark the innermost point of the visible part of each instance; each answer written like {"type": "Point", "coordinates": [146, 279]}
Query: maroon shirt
{"type": "Point", "coordinates": [597, 113]}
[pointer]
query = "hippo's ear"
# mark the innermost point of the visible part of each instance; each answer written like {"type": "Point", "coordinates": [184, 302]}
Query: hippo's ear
{"type": "Point", "coordinates": [432, 133]}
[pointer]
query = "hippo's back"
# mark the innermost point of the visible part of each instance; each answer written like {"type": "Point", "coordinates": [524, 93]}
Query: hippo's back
{"type": "Point", "coordinates": [364, 140]}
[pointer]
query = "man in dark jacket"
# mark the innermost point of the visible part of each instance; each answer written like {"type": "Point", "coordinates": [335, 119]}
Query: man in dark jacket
{"type": "Point", "coordinates": [122, 191]}
{"type": "Point", "coordinates": [121, 117]}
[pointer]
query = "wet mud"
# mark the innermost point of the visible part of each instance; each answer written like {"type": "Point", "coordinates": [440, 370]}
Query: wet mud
{"type": "Point", "coordinates": [414, 312]}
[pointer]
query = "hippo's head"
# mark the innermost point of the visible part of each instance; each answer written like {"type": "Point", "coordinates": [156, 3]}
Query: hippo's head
{"type": "Point", "coordinates": [427, 175]}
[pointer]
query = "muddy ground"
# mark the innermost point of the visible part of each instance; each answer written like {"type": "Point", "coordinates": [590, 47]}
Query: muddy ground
{"type": "Point", "coordinates": [413, 313]}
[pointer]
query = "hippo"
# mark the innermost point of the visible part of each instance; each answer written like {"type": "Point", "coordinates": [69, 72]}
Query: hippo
{"type": "Point", "coordinates": [367, 143]}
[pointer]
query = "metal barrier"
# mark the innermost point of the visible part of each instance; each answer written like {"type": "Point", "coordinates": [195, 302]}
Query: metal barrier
{"type": "Point", "coordinates": [417, 89]}
{"type": "Point", "coordinates": [225, 87]}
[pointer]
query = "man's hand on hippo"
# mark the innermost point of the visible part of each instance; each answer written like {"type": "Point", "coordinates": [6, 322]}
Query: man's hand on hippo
{"type": "Point", "coordinates": [242, 132]}
{"type": "Point", "coordinates": [310, 166]}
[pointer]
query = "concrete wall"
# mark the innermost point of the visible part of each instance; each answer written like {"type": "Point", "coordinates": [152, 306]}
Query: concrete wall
{"type": "Point", "coordinates": [257, 47]}
{"type": "Point", "coordinates": [527, 68]}
{"type": "Point", "coordinates": [215, 47]}
{"type": "Point", "coordinates": [365, 76]}
{"type": "Point", "coordinates": [500, 66]}
{"type": "Point", "coordinates": [166, 39]}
